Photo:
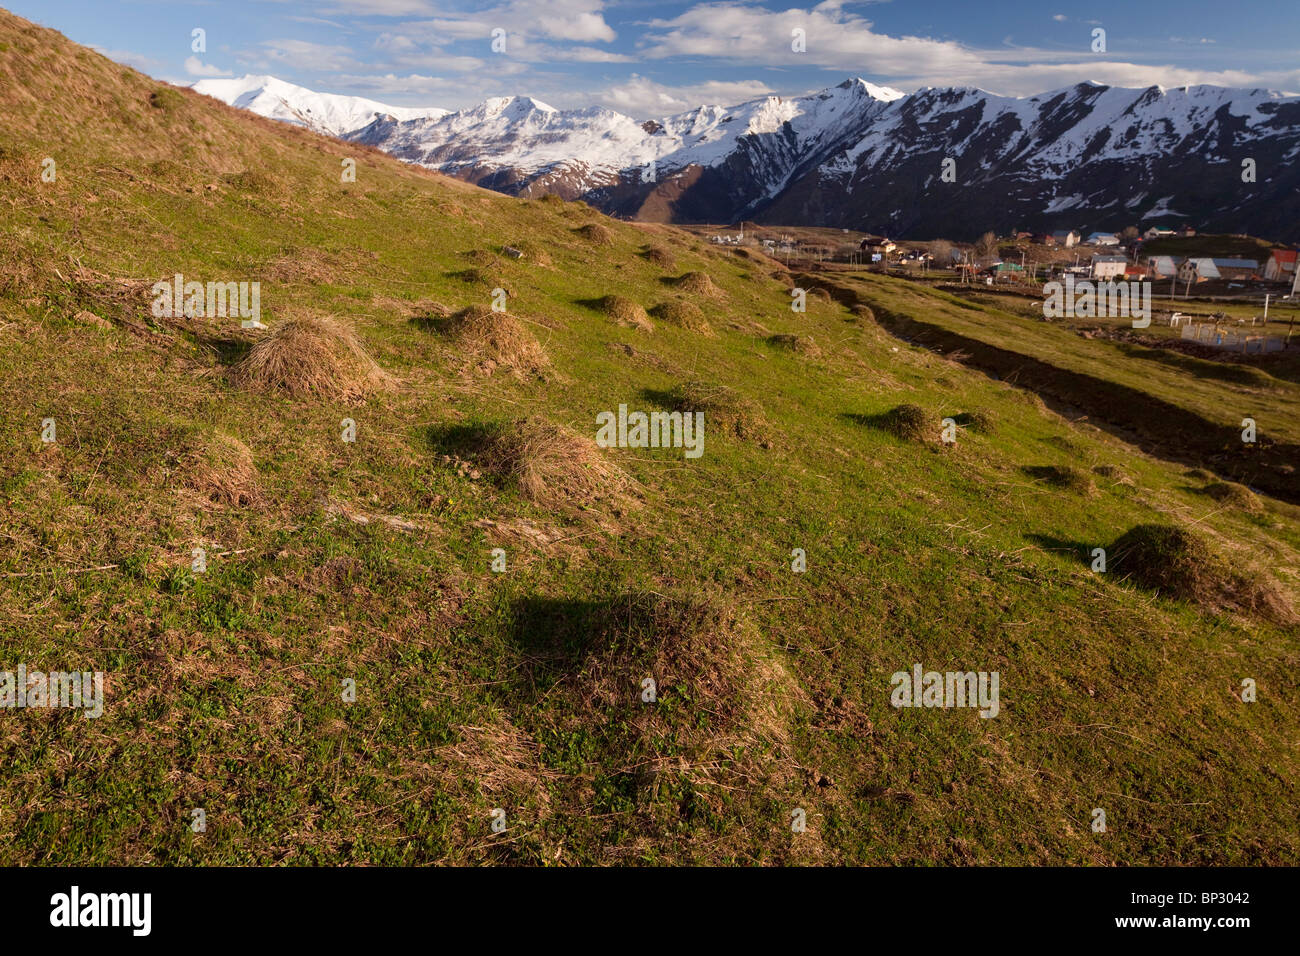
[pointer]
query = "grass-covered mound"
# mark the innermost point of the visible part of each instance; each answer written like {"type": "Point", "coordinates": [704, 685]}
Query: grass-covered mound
{"type": "Point", "coordinates": [698, 284]}
{"type": "Point", "coordinates": [801, 344]}
{"type": "Point", "coordinates": [907, 421]}
{"type": "Point", "coordinates": [683, 314]}
{"type": "Point", "coordinates": [1064, 477]}
{"type": "Point", "coordinates": [312, 356]}
{"type": "Point", "coordinates": [723, 407]}
{"type": "Point", "coordinates": [1233, 495]}
{"type": "Point", "coordinates": [596, 234]}
{"type": "Point", "coordinates": [661, 257]}
{"type": "Point", "coordinates": [221, 470]}
{"type": "Point", "coordinates": [494, 340]}
{"type": "Point", "coordinates": [1179, 563]}
{"type": "Point", "coordinates": [626, 312]}
{"type": "Point", "coordinates": [549, 464]}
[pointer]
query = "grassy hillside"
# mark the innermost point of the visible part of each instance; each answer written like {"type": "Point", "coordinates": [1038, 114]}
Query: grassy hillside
{"type": "Point", "coordinates": [1189, 408]}
{"type": "Point", "coordinates": [372, 561]}
{"type": "Point", "coordinates": [1218, 246]}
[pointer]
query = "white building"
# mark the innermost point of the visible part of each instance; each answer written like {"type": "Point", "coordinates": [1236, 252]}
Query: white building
{"type": "Point", "coordinates": [1108, 267]}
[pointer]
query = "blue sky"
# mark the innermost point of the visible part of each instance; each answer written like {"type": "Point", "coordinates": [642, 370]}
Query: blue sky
{"type": "Point", "coordinates": [654, 57]}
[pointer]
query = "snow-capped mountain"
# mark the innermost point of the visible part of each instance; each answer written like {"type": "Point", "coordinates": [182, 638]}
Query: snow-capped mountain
{"type": "Point", "coordinates": [1086, 157]}
{"type": "Point", "coordinates": [745, 154]}
{"type": "Point", "coordinates": [330, 113]}
{"type": "Point", "coordinates": [869, 157]}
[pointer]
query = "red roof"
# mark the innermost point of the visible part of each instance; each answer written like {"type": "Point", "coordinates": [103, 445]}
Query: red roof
{"type": "Point", "coordinates": [1284, 255]}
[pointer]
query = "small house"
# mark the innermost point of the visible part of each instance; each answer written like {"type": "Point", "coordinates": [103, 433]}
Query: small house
{"type": "Point", "coordinates": [1280, 266]}
{"type": "Point", "coordinates": [1163, 267]}
{"type": "Point", "coordinates": [1198, 270]}
{"type": "Point", "coordinates": [1066, 237]}
{"type": "Point", "coordinates": [1103, 239]}
{"type": "Point", "coordinates": [1108, 267]}
{"type": "Point", "coordinates": [1237, 268]}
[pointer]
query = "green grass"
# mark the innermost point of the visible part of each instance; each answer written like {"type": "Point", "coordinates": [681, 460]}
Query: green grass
{"type": "Point", "coordinates": [478, 690]}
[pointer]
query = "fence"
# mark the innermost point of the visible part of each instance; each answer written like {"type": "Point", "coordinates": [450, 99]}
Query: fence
{"type": "Point", "coordinates": [1207, 334]}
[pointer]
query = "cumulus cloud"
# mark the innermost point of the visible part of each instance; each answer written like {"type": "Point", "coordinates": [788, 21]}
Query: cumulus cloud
{"type": "Point", "coordinates": [196, 67]}
{"type": "Point", "coordinates": [843, 41]}
{"type": "Point", "coordinates": [302, 55]}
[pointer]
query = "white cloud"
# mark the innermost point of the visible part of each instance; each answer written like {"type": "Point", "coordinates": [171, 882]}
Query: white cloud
{"type": "Point", "coordinates": [837, 40]}
{"type": "Point", "coordinates": [589, 54]}
{"type": "Point", "coordinates": [302, 55]}
{"type": "Point", "coordinates": [642, 97]}
{"type": "Point", "coordinates": [196, 67]}
{"type": "Point", "coordinates": [380, 8]}
{"type": "Point", "coordinates": [575, 21]}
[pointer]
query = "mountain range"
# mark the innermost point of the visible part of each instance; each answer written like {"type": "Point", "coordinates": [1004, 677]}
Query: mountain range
{"type": "Point", "coordinates": [937, 162]}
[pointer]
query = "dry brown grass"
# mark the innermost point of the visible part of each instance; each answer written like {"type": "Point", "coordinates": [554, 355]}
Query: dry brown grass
{"type": "Point", "coordinates": [698, 283]}
{"type": "Point", "coordinates": [310, 265]}
{"type": "Point", "coordinates": [596, 234]}
{"type": "Point", "coordinates": [549, 464]}
{"type": "Point", "coordinates": [90, 318]}
{"type": "Point", "coordinates": [311, 356]}
{"type": "Point", "coordinates": [422, 312]}
{"type": "Point", "coordinates": [683, 314]}
{"type": "Point", "coordinates": [626, 313]}
{"type": "Point", "coordinates": [124, 300]}
{"type": "Point", "coordinates": [497, 340]}
{"type": "Point", "coordinates": [222, 471]}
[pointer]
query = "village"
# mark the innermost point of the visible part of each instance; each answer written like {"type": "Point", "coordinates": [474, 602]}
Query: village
{"type": "Point", "coordinates": [1034, 257]}
{"type": "Point", "coordinates": [1174, 265]}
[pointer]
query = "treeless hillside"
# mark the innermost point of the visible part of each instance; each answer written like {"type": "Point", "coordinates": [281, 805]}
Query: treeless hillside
{"type": "Point", "coordinates": [363, 578]}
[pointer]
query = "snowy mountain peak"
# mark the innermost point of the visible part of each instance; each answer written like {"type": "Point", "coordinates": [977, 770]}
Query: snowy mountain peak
{"type": "Point", "coordinates": [512, 106]}
{"type": "Point", "coordinates": [331, 113]}
{"type": "Point", "coordinates": [886, 94]}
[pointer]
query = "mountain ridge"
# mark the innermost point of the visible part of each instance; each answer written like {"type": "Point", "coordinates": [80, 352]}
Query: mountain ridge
{"type": "Point", "coordinates": [870, 157]}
